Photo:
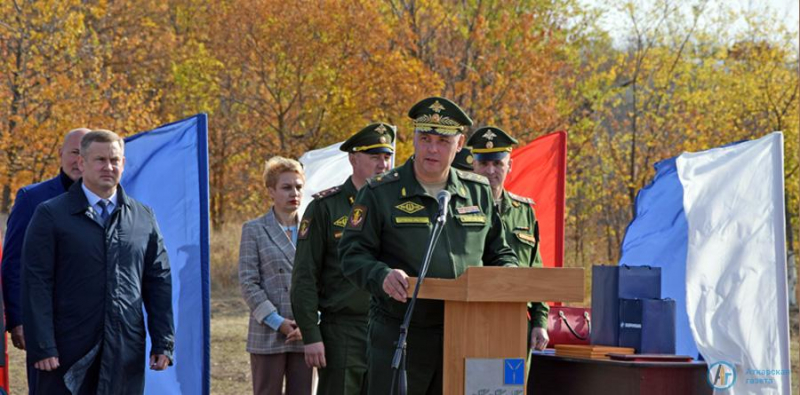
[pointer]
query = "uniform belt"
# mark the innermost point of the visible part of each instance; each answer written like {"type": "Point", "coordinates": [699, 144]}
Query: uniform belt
{"type": "Point", "coordinates": [341, 318]}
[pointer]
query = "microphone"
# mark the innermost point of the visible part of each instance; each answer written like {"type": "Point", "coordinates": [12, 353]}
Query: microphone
{"type": "Point", "coordinates": [443, 197]}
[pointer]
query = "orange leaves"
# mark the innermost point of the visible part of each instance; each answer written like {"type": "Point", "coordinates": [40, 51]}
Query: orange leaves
{"type": "Point", "coordinates": [283, 77]}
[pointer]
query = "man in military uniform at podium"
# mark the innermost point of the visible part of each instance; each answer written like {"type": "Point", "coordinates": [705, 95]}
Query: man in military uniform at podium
{"type": "Point", "coordinates": [337, 346]}
{"type": "Point", "coordinates": [491, 149]}
{"type": "Point", "coordinates": [386, 236]}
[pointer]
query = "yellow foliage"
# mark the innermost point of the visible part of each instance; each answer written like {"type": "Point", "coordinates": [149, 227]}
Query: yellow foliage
{"type": "Point", "coordinates": [283, 77]}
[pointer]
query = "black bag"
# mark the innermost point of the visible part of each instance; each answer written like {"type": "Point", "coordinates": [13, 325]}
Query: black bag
{"type": "Point", "coordinates": [609, 285]}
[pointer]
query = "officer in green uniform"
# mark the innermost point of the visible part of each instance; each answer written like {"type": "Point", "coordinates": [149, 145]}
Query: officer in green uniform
{"type": "Point", "coordinates": [386, 236]}
{"type": "Point", "coordinates": [337, 345]}
{"type": "Point", "coordinates": [491, 148]}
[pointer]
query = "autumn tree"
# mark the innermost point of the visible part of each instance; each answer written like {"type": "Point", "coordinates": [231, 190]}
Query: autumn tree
{"type": "Point", "coordinates": [680, 82]}
{"type": "Point", "coordinates": [499, 61]}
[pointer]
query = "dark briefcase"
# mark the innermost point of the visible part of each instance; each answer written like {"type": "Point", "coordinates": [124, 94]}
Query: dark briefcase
{"type": "Point", "coordinates": [647, 325]}
{"type": "Point", "coordinates": [609, 285]}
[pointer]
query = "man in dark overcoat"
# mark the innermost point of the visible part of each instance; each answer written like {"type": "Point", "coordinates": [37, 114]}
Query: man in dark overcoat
{"type": "Point", "coordinates": [28, 198]}
{"type": "Point", "coordinates": [92, 259]}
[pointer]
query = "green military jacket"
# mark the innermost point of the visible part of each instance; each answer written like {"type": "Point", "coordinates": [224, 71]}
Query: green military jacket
{"type": "Point", "coordinates": [317, 280]}
{"type": "Point", "coordinates": [522, 235]}
{"type": "Point", "coordinates": [389, 228]}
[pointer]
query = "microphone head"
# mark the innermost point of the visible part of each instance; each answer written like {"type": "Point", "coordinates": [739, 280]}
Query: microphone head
{"type": "Point", "coordinates": [443, 198]}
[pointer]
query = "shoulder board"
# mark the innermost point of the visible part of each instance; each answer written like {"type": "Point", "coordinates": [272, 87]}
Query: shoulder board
{"type": "Point", "coordinates": [327, 192]}
{"type": "Point", "coordinates": [384, 178]}
{"type": "Point", "coordinates": [465, 175]}
{"type": "Point", "coordinates": [521, 198]}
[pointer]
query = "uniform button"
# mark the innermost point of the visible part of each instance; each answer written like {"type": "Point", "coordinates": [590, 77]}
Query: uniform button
{"type": "Point", "coordinates": [286, 289]}
{"type": "Point", "coordinates": [280, 270]}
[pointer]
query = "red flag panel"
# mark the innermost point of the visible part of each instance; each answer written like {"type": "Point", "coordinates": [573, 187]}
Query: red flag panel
{"type": "Point", "coordinates": [538, 171]}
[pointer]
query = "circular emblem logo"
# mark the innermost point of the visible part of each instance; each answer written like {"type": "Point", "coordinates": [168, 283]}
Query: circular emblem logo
{"type": "Point", "coordinates": [383, 139]}
{"type": "Point", "coordinates": [489, 145]}
{"type": "Point", "coordinates": [721, 375]}
{"type": "Point", "coordinates": [469, 159]}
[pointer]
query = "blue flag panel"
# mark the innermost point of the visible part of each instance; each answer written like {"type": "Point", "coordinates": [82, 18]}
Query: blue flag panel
{"type": "Point", "coordinates": [657, 237]}
{"type": "Point", "coordinates": [167, 169]}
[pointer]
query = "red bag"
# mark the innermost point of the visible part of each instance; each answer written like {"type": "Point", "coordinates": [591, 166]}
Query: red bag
{"type": "Point", "coordinates": [569, 325]}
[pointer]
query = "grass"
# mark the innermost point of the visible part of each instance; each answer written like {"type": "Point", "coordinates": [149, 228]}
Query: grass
{"type": "Point", "coordinates": [230, 363]}
{"type": "Point", "coordinates": [225, 258]}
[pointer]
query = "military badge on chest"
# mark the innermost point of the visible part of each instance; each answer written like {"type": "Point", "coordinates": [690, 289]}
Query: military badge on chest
{"type": "Point", "coordinates": [409, 207]}
{"type": "Point", "coordinates": [468, 210]}
{"type": "Point", "coordinates": [341, 222]}
{"type": "Point", "coordinates": [527, 238]}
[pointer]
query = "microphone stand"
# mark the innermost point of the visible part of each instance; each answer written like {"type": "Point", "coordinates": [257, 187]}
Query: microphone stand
{"type": "Point", "coordinates": [399, 375]}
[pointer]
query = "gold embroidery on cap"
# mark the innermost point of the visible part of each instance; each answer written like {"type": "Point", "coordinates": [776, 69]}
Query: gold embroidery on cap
{"type": "Point", "coordinates": [436, 106]}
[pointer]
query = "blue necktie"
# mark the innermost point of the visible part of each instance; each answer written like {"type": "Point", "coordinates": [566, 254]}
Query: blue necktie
{"type": "Point", "coordinates": [104, 214]}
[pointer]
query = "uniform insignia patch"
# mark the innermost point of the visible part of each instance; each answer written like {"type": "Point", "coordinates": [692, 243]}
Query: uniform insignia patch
{"type": "Point", "coordinates": [520, 198]}
{"type": "Point", "coordinates": [302, 233]}
{"type": "Point", "coordinates": [409, 207]}
{"type": "Point", "coordinates": [526, 237]}
{"type": "Point", "coordinates": [473, 219]}
{"type": "Point", "coordinates": [357, 216]}
{"type": "Point", "coordinates": [341, 222]}
{"type": "Point", "coordinates": [351, 200]}
{"type": "Point", "coordinates": [337, 235]}
{"type": "Point", "coordinates": [468, 209]}
{"type": "Point", "coordinates": [327, 192]}
{"type": "Point", "coordinates": [465, 175]}
{"type": "Point", "coordinates": [382, 179]}
{"type": "Point", "coordinates": [412, 220]}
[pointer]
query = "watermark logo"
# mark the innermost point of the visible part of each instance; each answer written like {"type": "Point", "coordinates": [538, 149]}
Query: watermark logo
{"type": "Point", "coordinates": [721, 375]}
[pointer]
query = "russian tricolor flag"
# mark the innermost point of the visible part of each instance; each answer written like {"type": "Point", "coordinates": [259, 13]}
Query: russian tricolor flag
{"type": "Point", "coordinates": [714, 221]}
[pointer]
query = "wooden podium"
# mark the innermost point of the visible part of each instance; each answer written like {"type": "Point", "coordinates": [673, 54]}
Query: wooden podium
{"type": "Point", "coordinates": [485, 311]}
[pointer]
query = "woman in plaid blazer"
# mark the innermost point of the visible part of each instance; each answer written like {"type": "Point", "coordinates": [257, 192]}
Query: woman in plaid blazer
{"type": "Point", "coordinates": [266, 256]}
